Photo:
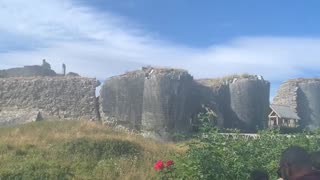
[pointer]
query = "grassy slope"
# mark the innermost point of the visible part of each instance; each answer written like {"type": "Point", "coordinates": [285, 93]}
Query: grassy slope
{"type": "Point", "coordinates": [85, 150]}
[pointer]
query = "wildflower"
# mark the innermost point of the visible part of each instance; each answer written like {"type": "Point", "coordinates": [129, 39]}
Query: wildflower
{"type": "Point", "coordinates": [158, 165]}
{"type": "Point", "coordinates": [169, 163]}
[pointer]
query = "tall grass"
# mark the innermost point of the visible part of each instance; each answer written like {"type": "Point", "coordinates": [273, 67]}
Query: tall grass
{"type": "Point", "coordinates": [77, 150]}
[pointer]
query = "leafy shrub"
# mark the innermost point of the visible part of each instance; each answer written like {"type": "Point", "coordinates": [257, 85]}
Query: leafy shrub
{"type": "Point", "coordinates": [206, 118]}
{"type": "Point", "coordinates": [212, 155]}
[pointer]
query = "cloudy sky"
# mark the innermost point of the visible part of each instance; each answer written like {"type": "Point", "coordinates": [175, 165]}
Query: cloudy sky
{"type": "Point", "coordinates": [209, 38]}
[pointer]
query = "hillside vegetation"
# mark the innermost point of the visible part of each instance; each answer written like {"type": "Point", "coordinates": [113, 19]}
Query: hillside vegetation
{"type": "Point", "coordinates": [77, 150]}
{"type": "Point", "coordinates": [88, 150]}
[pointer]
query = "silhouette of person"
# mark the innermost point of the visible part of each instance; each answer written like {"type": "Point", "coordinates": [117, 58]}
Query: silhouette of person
{"type": "Point", "coordinates": [64, 69]}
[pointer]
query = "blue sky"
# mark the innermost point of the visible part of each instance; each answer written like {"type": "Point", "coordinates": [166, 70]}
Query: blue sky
{"type": "Point", "coordinates": [206, 22]}
{"type": "Point", "coordinates": [101, 38]}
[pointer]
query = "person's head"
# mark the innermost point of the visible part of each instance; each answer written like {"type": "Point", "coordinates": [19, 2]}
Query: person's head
{"type": "Point", "coordinates": [295, 161]}
{"type": "Point", "coordinates": [315, 159]}
{"type": "Point", "coordinates": [259, 175]}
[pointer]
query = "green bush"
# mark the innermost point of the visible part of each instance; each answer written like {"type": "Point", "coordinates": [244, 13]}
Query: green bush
{"type": "Point", "coordinates": [212, 155]}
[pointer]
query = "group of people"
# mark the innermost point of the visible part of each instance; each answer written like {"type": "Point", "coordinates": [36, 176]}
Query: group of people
{"type": "Point", "coordinates": [295, 164]}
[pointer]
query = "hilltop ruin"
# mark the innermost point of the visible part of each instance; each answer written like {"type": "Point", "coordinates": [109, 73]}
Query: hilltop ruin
{"type": "Point", "coordinates": [302, 95]}
{"type": "Point", "coordinates": [37, 92]}
{"type": "Point", "coordinates": [152, 100]}
{"type": "Point", "coordinates": [242, 100]}
{"type": "Point", "coordinates": [156, 102]}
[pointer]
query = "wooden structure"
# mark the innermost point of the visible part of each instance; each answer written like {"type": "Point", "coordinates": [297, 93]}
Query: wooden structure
{"type": "Point", "coordinates": [282, 116]}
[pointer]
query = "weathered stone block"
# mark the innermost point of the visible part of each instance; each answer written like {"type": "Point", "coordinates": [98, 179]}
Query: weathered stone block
{"type": "Point", "coordinates": [55, 97]}
{"type": "Point", "coordinates": [152, 100]}
{"type": "Point", "coordinates": [241, 100]}
{"type": "Point", "coordinates": [302, 95]}
{"type": "Point", "coordinates": [121, 100]}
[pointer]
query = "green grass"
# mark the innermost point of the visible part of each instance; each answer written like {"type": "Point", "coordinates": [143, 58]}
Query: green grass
{"type": "Point", "coordinates": [88, 150]}
{"type": "Point", "coordinates": [77, 150]}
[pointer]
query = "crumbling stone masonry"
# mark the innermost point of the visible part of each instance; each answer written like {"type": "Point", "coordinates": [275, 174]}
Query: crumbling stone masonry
{"type": "Point", "coordinates": [303, 95]}
{"type": "Point", "coordinates": [242, 100]}
{"type": "Point", "coordinates": [26, 99]}
{"type": "Point", "coordinates": [158, 102]}
{"type": "Point", "coordinates": [151, 100]}
{"type": "Point", "coordinates": [27, 71]}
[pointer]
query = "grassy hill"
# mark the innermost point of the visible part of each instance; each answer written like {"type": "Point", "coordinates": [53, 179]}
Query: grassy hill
{"type": "Point", "coordinates": [88, 150]}
{"type": "Point", "coordinates": [77, 150]}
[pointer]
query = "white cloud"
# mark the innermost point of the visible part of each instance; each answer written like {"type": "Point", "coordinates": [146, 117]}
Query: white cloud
{"type": "Point", "coordinates": [101, 45]}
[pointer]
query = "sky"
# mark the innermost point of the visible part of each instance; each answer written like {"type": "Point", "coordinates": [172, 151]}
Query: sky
{"type": "Point", "coordinates": [279, 40]}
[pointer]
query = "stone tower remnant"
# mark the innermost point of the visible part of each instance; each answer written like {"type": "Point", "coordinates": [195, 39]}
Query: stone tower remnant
{"type": "Point", "coordinates": [45, 64]}
{"type": "Point", "coordinates": [303, 95]}
{"type": "Point", "coordinates": [157, 102]}
{"type": "Point", "coordinates": [29, 71]}
{"type": "Point", "coordinates": [242, 100]}
{"type": "Point", "coordinates": [152, 100]}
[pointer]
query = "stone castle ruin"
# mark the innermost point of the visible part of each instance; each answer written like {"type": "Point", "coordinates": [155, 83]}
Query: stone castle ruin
{"type": "Point", "coordinates": [27, 71]}
{"type": "Point", "coordinates": [302, 95]}
{"type": "Point", "coordinates": [51, 98]}
{"type": "Point", "coordinates": [241, 100]}
{"type": "Point", "coordinates": [153, 101]}
{"type": "Point", "coordinates": [33, 93]}
{"type": "Point", "coordinates": [156, 102]}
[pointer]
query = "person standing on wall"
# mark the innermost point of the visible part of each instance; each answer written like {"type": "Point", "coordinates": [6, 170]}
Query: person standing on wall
{"type": "Point", "coordinates": [64, 69]}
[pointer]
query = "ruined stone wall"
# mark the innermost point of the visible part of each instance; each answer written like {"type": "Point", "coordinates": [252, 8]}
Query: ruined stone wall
{"type": "Point", "coordinates": [27, 71]}
{"type": "Point", "coordinates": [153, 100]}
{"type": "Point", "coordinates": [121, 99]}
{"type": "Point", "coordinates": [309, 103]}
{"type": "Point", "coordinates": [302, 95]}
{"type": "Point", "coordinates": [165, 102]}
{"type": "Point", "coordinates": [242, 101]}
{"type": "Point", "coordinates": [249, 101]}
{"type": "Point", "coordinates": [54, 98]}
{"type": "Point", "coordinates": [215, 96]}
{"type": "Point", "coordinates": [287, 94]}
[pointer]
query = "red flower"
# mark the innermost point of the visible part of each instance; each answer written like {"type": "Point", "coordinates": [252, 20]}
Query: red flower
{"type": "Point", "coordinates": [158, 165]}
{"type": "Point", "coordinates": [169, 163]}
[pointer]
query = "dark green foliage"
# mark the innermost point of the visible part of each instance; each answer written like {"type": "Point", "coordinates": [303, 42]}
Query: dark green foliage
{"type": "Point", "coordinates": [212, 155]}
{"type": "Point", "coordinates": [207, 118]}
